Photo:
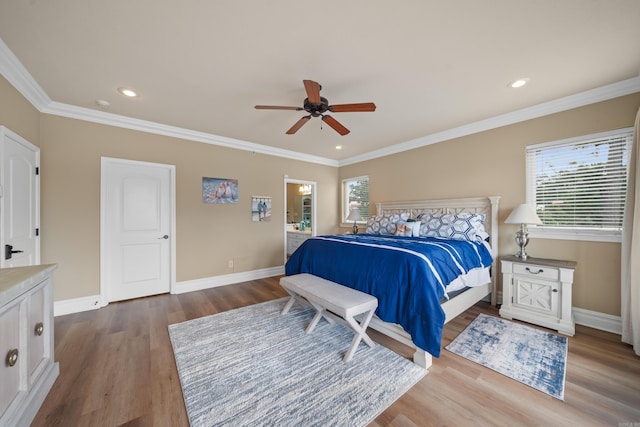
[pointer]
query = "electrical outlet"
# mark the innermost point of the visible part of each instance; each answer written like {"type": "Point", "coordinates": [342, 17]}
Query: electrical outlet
{"type": "Point", "coordinates": [230, 263]}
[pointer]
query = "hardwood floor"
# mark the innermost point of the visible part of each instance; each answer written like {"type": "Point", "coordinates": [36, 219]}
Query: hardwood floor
{"type": "Point", "coordinates": [117, 369]}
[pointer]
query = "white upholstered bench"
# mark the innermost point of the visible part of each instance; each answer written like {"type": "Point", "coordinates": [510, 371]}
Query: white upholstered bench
{"type": "Point", "coordinates": [334, 302]}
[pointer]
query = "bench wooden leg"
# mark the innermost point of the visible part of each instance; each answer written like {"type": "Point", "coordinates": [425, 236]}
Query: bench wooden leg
{"type": "Point", "coordinates": [314, 321]}
{"type": "Point", "coordinates": [320, 313]}
{"type": "Point", "coordinates": [361, 334]}
{"type": "Point", "coordinates": [286, 308]}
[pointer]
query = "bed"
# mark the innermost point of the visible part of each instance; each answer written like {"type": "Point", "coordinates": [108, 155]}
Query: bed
{"type": "Point", "coordinates": [410, 257]}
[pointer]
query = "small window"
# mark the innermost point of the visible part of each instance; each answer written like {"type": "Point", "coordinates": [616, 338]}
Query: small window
{"type": "Point", "coordinates": [355, 193]}
{"type": "Point", "coordinates": [579, 186]}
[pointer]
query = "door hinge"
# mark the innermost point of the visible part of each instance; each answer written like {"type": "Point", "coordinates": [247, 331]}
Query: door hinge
{"type": "Point", "coordinates": [37, 170]}
{"type": "Point", "coordinates": [37, 231]}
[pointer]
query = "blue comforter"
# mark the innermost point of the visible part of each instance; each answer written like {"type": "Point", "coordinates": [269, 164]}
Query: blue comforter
{"type": "Point", "coordinates": [408, 275]}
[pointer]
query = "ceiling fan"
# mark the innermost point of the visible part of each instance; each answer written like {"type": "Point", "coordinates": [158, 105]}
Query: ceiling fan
{"type": "Point", "coordinates": [317, 106]}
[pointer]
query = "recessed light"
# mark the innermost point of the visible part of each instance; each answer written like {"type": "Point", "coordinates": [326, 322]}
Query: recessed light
{"type": "Point", "coordinates": [127, 92]}
{"type": "Point", "coordinates": [518, 83]}
{"type": "Point", "coordinates": [338, 147]}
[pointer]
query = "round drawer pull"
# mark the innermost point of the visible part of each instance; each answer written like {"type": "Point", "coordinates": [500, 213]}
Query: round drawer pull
{"type": "Point", "coordinates": [39, 328]}
{"type": "Point", "coordinates": [12, 357]}
{"type": "Point", "coordinates": [535, 272]}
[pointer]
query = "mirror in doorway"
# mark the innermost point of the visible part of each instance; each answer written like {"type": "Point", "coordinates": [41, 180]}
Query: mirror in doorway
{"type": "Point", "coordinates": [299, 206]}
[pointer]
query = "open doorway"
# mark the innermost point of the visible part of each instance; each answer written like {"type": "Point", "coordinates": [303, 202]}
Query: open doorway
{"type": "Point", "coordinates": [300, 213]}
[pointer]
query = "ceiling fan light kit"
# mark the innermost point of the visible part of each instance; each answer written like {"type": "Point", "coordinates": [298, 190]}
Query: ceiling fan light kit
{"type": "Point", "coordinates": [317, 106]}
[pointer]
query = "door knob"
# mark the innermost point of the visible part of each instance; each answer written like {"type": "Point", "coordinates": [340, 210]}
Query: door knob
{"type": "Point", "coordinates": [166, 236]}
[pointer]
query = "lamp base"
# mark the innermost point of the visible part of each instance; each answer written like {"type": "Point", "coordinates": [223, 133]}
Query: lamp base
{"type": "Point", "coordinates": [522, 238]}
{"type": "Point", "coordinates": [355, 228]}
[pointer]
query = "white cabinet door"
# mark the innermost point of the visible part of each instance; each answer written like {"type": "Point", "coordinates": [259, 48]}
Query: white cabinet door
{"type": "Point", "coordinates": [535, 295]}
{"type": "Point", "coordinates": [9, 342]}
{"type": "Point", "coordinates": [37, 331]}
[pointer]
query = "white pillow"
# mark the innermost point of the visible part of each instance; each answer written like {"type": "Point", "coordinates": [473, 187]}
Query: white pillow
{"type": "Point", "coordinates": [408, 228]}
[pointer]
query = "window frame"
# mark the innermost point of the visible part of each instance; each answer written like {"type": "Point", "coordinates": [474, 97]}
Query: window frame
{"type": "Point", "coordinates": [343, 201]}
{"type": "Point", "coordinates": [571, 233]}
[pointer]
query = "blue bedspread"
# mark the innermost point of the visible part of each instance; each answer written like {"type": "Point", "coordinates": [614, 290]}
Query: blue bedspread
{"type": "Point", "coordinates": [408, 275]}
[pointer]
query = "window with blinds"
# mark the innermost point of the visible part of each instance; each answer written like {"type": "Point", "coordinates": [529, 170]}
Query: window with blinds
{"type": "Point", "coordinates": [580, 183]}
{"type": "Point", "coordinates": [355, 193]}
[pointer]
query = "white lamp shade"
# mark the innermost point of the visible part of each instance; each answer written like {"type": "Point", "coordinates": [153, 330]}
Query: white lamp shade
{"type": "Point", "coordinates": [523, 214]}
{"type": "Point", "coordinates": [354, 214]}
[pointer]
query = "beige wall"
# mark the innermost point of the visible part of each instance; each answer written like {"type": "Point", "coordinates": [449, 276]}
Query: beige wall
{"type": "Point", "coordinates": [208, 235]}
{"type": "Point", "coordinates": [493, 163]}
{"type": "Point", "coordinates": [18, 114]}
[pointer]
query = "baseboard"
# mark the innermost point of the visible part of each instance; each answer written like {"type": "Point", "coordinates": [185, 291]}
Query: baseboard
{"type": "Point", "coordinates": [77, 305]}
{"type": "Point", "coordinates": [226, 279]}
{"type": "Point", "coordinates": [597, 320]}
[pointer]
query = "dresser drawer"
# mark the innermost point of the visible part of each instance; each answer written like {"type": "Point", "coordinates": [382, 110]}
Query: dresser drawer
{"type": "Point", "coordinates": [537, 271]}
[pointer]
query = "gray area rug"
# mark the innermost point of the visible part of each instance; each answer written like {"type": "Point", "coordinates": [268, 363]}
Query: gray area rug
{"type": "Point", "coordinates": [533, 357]}
{"type": "Point", "coordinates": [254, 366]}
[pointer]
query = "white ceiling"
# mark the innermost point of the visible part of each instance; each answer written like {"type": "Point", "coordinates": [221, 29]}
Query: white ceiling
{"type": "Point", "coordinates": [430, 66]}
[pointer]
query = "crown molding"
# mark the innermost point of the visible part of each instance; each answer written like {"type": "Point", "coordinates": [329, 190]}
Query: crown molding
{"type": "Point", "coordinates": [13, 70]}
{"type": "Point", "coordinates": [89, 115]}
{"type": "Point", "coordinates": [15, 73]}
{"type": "Point", "coordinates": [604, 93]}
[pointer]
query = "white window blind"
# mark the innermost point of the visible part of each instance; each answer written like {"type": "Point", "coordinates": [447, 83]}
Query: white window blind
{"type": "Point", "coordinates": [580, 183]}
{"type": "Point", "coordinates": [355, 193]}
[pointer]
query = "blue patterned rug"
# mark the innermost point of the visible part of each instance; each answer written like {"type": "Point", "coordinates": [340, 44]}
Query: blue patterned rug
{"type": "Point", "coordinates": [531, 356]}
{"type": "Point", "coordinates": [255, 367]}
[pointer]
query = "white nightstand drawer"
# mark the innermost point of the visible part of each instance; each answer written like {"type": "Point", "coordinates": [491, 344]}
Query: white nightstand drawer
{"type": "Point", "coordinates": [537, 271]}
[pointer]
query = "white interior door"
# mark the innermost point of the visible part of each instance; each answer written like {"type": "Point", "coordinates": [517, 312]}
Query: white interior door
{"type": "Point", "coordinates": [19, 201]}
{"type": "Point", "coordinates": [138, 206]}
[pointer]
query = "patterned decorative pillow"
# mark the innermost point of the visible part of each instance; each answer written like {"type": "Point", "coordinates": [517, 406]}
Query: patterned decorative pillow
{"type": "Point", "coordinates": [460, 226]}
{"type": "Point", "coordinates": [385, 224]}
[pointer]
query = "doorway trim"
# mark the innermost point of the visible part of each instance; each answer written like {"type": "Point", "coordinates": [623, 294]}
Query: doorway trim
{"type": "Point", "coordinates": [104, 253]}
{"type": "Point", "coordinates": [314, 191]}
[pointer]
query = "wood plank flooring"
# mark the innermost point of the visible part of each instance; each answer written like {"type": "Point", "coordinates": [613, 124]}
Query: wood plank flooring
{"type": "Point", "coordinates": [117, 369]}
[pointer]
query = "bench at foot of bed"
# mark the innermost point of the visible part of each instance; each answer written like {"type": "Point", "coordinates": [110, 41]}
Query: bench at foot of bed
{"type": "Point", "coordinates": [334, 302]}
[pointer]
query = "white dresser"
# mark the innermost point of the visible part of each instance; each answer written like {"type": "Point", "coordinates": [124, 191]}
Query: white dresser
{"type": "Point", "coordinates": [27, 369]}
{"type": "Point", "coordinates": [538, 291]}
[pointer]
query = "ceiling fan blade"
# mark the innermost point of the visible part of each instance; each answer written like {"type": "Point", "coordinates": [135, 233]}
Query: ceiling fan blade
{"type": "Point", "coordinates": [336, 125]}
{"type": "Point", "coordinates": [298, 125]}
{"type": "Point", "coordinates": [275, 107]}
{"type": "Point", "coordinates": [313, 91]}
{"type": "Point", "coordinates": [346, 108]}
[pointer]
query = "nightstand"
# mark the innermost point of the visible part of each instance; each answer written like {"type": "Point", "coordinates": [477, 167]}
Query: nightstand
{"type": "Point", "coordinates": [538, 291]}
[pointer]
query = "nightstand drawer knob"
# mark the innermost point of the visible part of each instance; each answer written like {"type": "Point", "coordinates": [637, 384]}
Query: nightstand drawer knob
{"type": "Point", "coordinates": [534, 272]}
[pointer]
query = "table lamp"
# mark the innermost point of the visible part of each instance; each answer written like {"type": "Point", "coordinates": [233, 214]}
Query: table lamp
{"type": "Point", "coordinates": [523, 214]}
{"type": "Point", "coordinates": [354, 215]}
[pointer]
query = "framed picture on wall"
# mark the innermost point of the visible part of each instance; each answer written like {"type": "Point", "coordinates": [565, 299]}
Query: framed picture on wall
{"type": "Point", "coordinates": [261, 208]}
{"type": "Point", "coordinates": [219, 190]}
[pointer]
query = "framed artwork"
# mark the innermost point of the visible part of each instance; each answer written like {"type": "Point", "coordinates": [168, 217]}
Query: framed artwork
{"type": "Point", "coordinates": [261, 208]}
{"type": "Point", "coordinates": [219, 190]}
